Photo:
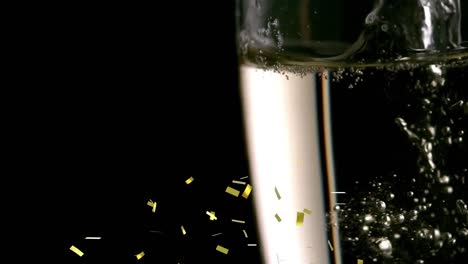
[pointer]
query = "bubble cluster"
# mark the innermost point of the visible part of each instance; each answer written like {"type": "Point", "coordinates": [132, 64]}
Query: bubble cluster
{"type": "Point", "coordinates": [420, 218]}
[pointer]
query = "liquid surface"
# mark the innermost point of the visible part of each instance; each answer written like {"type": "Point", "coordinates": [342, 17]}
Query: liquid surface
{"type": "Point", "coordinates": [394, 31]}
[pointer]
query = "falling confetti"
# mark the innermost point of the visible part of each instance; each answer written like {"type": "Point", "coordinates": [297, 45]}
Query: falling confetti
{"type": "Point", "coordinates": [300, 219]}
{"type": "Point", "coordinates": [277, 194]}
{"type": "Point", "coordinates": [307, 211]}
{"type": "Point", "coordinates": [330, 245]}
{"type": "Point", "coordinates": [92, 237]}
{"type": "Point", "coordinates": [222, 249]}
{"type": "Point", "coordinates": [189, 180]}
{"type": "Point", "coordinates": [278, 217]}
{"type": "Point", "coordinates": [152, 204]}
{"type": "Point", "coordinates": [140, 255]}
{"type": "Point", "coordinates": [212, 215]}
{"type": "Point", "coordinates": [232, 191]}
{"type": "Point", "coordinates": [238, 221]}
{"type": "Point", "coordinates": [338, 192]}
{"type": "Point", "coordinates": [77, 251]}
{"type": "Point", "coordinates": [360, 261]}
{"type": "Point", "coordinates": [247, 191]}
{"type": "Point", "coordinates": [239, 182]}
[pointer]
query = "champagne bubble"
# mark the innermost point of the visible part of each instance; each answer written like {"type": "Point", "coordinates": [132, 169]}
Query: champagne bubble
{"type": "Point", "coordinates": [461, 207]}
{"type": "Point", "coordinates": [385, 246]}
{"type": "Point", "coordinates": [413, 215]}
{"type": "Point", "coordinates": [369, 218]}
{"type": "Point", "coordinates": [381, 206]}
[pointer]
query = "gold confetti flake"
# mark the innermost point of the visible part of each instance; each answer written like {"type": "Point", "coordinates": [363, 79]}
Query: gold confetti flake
{"type": "Point", "coordinates": [245, 233]}
{"type": "Point", "coordinates": [189, 180]}
{"type": "Point", "coordinates": [251, 245]}
{"type": "Point", "coordinates": [300, 218]}
{"type": "Point", "coordinates": [307, 211]}
{"type": "Point", "coordinates": [278, 218]}
{"type": "Point", "coordinates": [212, 215]}
{"type": "Point", "coordinates": [277, 194]}
{"type": "Point", "coordinates": [232, 191]}
{"type": "Point", "coordinates": [216, 234]}
{"type": "Point", "coordinates": [222, 249]}
{"type": "Point", "coordinates": [152, 204]}
{"type": "Point", "coordinates": [238, 221]}
{"type": "Point", "coordinates": [77, 251]}
{"type": "Point", "coordinates": [183, 230]}
{"type": "Point", "coordinates": [360, 261]}
{"type": "Point", "coordinates": [244, 177]}
{"type": "Point", "coordinates": [330, 245]}
{"type": "Point", "coordinates": [247, 191]}
{"type": "Point", "coordinates": [140, 255]}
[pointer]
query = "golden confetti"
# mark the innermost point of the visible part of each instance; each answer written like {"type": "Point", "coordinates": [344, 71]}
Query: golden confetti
{"type": "Point", "coordinates": [239, 182]}
{"type": "Point", "coordinates": [300, 218]}
{"type": "Point", "coordinates": [152, 204]}
{"type": "Point", "coordinates": [212, 215]}
{"type": "Point", "coordinates": [77, 251]}
{"type": "Point", "coordinates": [277, 194]}
{"type": "Point", "coordinates": [360, 261]}
{"type": "Point", "coordinates": [189, 180]}
{"type": "Point", "coordinates": [330, 245]}
{"type": "Point", "coordinates": [245, 233]}
{"type": "Point", "coordinates": [232, 191]}
{"type": "Point", "coordinates": [244, 177]}
{"type": "Point", "coordinates": [251, 245]}
{"type": "Point", "coordinates": [247, 191]}
{"type": "Point", "coordinates": [140, 255]}
{"type": "Point", "coordinates": [216, 234]}
{"type": "Point", "coordinates": [222, 249]}
{"type": "Point", "coordinates": [238, 221]}
{"type": "Point", "coordinates": [183, 230]}
{"type": "Point", "coordinates": [278, 217]}
{"type": "Point", "coordinates": [307, 211]}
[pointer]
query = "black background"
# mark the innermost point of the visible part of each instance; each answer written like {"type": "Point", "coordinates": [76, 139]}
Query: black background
{"type": "Point", "coordinates": [124, 102]}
